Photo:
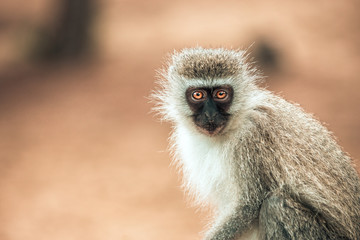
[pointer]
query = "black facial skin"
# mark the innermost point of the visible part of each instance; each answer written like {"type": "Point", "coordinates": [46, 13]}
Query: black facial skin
{"type": "Point", "coordinates": [209, 107]}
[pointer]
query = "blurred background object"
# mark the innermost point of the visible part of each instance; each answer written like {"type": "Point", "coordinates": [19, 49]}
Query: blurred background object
{"type": "Point", "coordinates": [81, 157]}
{"type": "Point", "coordinates": [68, 36]}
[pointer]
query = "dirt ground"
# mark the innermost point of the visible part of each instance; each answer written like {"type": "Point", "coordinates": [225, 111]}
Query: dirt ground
{"type": "Point", "coordinates": [81, 157]}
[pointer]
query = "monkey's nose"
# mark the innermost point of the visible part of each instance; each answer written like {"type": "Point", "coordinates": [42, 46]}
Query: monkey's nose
{"type": "Point", "coordinates": [210, 119]}
{"type": "Point", "coordinates": [210, 116]}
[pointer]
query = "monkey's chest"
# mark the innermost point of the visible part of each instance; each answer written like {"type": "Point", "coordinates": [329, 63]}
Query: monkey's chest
{"type": "Point", "coordinates": [207, 170]}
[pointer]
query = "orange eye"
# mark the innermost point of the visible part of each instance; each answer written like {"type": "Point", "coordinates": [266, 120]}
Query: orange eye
{"type": "Point", "coordinates": [197, 95]}
{"type": "Point", "coordinates": [221, 94]}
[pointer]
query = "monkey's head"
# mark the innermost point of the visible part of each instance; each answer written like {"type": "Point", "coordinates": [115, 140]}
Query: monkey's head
{"type": "Point", "coordinates": [207, 89]}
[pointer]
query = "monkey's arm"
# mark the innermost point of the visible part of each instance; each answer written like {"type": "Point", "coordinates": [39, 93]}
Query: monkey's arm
{"type": "Point", "coordinates": [234, 224]}
{"type": "Point", "coordinates": [283, 217]}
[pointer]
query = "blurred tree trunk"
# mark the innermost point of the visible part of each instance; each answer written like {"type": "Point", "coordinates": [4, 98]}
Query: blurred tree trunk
{"type": "Point", "coordinates": [69, 37]}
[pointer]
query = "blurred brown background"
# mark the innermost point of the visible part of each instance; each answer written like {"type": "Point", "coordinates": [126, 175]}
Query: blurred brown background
{"type": "Point", "coordinates": [80, 155]}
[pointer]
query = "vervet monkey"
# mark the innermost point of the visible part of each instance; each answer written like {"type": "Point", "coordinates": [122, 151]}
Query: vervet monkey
{"type": "Point", "coordinates": [270, 170]}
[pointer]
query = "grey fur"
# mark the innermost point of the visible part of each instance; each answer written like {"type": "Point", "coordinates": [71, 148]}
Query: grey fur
{"type": "Point", "coordinates": [284, 170]}
{"type": "Point", "coordinates": [206, 64]}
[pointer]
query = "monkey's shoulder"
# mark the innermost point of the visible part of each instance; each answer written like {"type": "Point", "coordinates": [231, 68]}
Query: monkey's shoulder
{"type": "Point", "coordinates": [279, 116]}
{"type": "Point", "coordinates": [283, 131]}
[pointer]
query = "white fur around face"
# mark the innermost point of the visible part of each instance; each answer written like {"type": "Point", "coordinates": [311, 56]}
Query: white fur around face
{"type": "Point", "coordinates": [205, 162]}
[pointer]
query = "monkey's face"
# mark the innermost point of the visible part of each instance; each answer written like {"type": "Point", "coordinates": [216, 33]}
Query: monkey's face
{"type": "Point", "coordinates": [210, 107]}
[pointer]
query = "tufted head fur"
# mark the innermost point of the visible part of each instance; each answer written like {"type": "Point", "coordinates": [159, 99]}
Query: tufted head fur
{"type": "Point", "coordinates": [207, 64]}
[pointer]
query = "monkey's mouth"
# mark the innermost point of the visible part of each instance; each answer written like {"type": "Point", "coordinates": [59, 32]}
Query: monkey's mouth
{"type": "Point", "coordinates": [210, 126]}
{"type": "Point", "coordinates": [210, 129]}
